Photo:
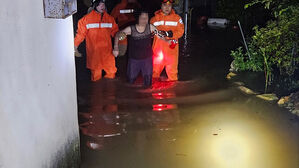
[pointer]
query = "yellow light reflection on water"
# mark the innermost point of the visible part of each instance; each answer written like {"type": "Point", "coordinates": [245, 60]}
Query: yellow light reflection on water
{"type": "Point", "coordinates": [239, 139]}
{"type": "Point", "coordinates": [230, 151]}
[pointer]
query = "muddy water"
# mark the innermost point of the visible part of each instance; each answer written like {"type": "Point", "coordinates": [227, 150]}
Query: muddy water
{"type": "Point", "coordinates": [200, 121]}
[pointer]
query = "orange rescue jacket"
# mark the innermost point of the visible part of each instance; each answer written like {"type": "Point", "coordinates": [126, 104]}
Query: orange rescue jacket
{"type": "Point", "coordinates": [97, 31]}
{"type": "Point", "coordinates": [164, 22]}
{"type": "Point", "coordinates": [171, 22]}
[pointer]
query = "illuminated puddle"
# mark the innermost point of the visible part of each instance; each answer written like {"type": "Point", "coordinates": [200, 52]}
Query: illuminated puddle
{"type": "Point", "coordinates": [200, 123]}
{"type": "Point", "coordinates": [236, 132]}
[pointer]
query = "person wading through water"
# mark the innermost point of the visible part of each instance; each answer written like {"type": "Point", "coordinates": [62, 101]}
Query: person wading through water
{"type": "Point", "coordinates": [97, 28]}
{"type": "Point", "coordinates": [166, 50]}
{"type": "Point", "coordinates": [140, 48]}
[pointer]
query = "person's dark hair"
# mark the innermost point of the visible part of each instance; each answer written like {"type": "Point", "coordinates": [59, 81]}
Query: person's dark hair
{"type": "Point", "coordinates": [96, 3]}
{"type": "Point", "coordinates": [138, 12]}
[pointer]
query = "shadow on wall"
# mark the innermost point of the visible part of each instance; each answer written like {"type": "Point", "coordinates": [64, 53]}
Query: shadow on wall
{"type": "Point", "coordinates": [69, 156]}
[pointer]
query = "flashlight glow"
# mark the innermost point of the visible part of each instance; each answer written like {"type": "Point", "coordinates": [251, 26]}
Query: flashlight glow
{"type": "Point", "coordinates": [230, 140]}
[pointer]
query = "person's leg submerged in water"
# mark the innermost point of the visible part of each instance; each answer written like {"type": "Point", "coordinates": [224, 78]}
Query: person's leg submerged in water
{"type": "Point", "coordinates": [134, 68]}
{"type": "Point", "coordinates": [147, 72]}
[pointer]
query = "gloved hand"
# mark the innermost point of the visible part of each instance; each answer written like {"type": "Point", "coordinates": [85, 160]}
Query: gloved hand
{"type": "Point", "coordinates": [158, 34]}
{"type": "Point", "coordinates": [162, 33]}
{"type": "Point", "coordinates": [77, 53]}
{"type": "Point", "coordinates": [167, 33]}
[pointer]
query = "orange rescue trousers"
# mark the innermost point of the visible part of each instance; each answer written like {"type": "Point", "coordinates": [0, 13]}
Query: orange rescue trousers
{"type": "Point", "coordinates": [165, 57]}
{"type": "Point", "coordinates": [109, 68]}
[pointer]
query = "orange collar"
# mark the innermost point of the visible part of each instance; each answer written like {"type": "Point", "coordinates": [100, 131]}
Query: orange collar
{"type": "Point", "coordinates": [159, 12]}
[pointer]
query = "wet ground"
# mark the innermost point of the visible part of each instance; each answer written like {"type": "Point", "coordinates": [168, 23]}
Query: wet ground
{"type": "Point", "coordinates": [202, 121]}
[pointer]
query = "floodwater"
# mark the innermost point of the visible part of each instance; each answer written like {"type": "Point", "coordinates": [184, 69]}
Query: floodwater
{"type": "Point", "coordinates": [202, 121]}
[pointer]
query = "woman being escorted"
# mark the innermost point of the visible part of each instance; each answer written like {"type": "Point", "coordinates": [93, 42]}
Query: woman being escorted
{"type": "Point", "coordinates": [140, 48]}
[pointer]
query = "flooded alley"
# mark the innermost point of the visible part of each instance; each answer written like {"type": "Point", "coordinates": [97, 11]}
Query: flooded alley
{"type": "Point", "coordinates": [149, 84]}
{"type": "Point", "coordinates": [201, 121]}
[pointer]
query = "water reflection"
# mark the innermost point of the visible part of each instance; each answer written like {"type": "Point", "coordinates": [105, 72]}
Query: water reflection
{"type": "Point", "coordinates": [164, 107]}
{"type": "Point", "coordinates": [102, 120]}
{"type": "Point", "coordinates": [163, 95]}
{"type": "Point", "coordinates": [165, 116]}
{"type": "Point", "coordinates": [199, 124]}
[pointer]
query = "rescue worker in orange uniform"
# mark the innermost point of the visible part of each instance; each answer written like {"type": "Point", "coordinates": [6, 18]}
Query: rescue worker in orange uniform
{"type": "Point", "coordinates": [166, 50]}
{"type": "Point", "coordinates": [97, 28]}
{"type": "Point", "coordinates": [123, 14]}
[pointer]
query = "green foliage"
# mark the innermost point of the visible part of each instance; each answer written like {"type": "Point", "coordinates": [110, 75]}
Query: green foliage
{"type": "Point", "coordinates": [267, 3]}
{"type": "Point", "coordinates": [273, 46]}
{"type": "Point", "coordinates": [243, 63]}
{"type": "Point", "coordinates": [276, 6]}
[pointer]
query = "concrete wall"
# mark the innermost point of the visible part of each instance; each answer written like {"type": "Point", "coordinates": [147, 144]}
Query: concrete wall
{"type": "Point", "coordinates": [38, 108]}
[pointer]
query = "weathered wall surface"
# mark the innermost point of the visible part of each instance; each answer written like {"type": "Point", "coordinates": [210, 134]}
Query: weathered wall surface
{"type": "Point", "coordinates": [38, 109]}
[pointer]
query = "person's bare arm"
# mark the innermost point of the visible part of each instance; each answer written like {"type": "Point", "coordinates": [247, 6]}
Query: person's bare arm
{"type": "Point", "coordinates": [121, 34]}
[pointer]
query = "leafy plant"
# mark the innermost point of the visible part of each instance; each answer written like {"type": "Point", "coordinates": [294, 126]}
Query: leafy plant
{"type": "Point", "coordinates": [275, 45]}
{"type": "Point", "coordinates": [243, 63]}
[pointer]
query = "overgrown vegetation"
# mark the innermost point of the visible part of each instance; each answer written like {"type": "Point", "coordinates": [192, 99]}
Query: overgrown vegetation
{"type": "Point", "coordinates": [273, 48]}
